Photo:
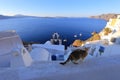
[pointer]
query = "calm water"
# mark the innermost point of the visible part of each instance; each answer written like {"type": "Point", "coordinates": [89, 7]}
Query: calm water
{"type": "Point", "coordinates": [41, 29]}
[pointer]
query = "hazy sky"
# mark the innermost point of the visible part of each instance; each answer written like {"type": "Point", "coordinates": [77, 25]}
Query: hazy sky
{"type": "Point", "coordinates": [72, 8]}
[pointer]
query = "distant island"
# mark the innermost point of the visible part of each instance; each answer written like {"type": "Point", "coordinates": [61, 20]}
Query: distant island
{"type": "Point", "coordinates": [102, 16]}
{"type": "Point", "coordinates": [5, 17]}
{"type": "Point", "coordinates": [15, 16]}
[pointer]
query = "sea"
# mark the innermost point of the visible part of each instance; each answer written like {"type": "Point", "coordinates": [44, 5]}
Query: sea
{"type": "Point", "coordinates": [41, 29]}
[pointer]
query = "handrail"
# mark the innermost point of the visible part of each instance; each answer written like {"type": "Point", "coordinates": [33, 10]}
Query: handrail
{"type": "Point", "coordinates": [8, 37]}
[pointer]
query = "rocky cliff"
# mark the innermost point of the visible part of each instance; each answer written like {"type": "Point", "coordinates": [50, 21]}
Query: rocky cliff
{"type": "Point", "coordinates": [105, 16]}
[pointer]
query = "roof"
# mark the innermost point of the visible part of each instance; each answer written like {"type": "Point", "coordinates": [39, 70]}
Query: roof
{"type": "Point", "coordinates": [9, 40]}
{"type": "Point", "coordinates": [77, 43]}
{"type": "Point", "coordinates": [7, 34]}
{"type": "Point", "coordinates": [49, 46]}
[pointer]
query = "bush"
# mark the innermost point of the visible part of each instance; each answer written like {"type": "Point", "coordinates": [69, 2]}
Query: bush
{"type": "Point", "coordinates": [107, 31]}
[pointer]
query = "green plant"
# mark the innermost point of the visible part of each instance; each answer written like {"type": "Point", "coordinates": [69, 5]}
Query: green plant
{"type": "Point", "coordinates": [107, 31]}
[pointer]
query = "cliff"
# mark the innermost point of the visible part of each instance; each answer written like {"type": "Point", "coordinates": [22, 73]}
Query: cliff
{"type": "Point", "coordinates": [105, 16]}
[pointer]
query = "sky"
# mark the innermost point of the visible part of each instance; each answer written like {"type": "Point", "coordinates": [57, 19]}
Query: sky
{"type": "Point", "coordinates": [64, 8]}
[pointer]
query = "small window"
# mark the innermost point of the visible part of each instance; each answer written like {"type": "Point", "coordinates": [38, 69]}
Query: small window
{"type": "Point", "coordinates": [113, 40]}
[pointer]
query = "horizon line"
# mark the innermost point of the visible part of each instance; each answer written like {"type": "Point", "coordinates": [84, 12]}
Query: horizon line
{"type": "Point", "coordinates": [53, 16]}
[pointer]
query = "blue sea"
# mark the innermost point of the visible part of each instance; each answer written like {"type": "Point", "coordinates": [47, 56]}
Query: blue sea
{"type": "Point", "coordinates": [34, 29]}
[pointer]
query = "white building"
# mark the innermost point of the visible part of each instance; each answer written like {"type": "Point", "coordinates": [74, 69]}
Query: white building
{"type": "Point", "coordinates": [12, 51]}
{"type": "Point", "coordinates": [114, 26]}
